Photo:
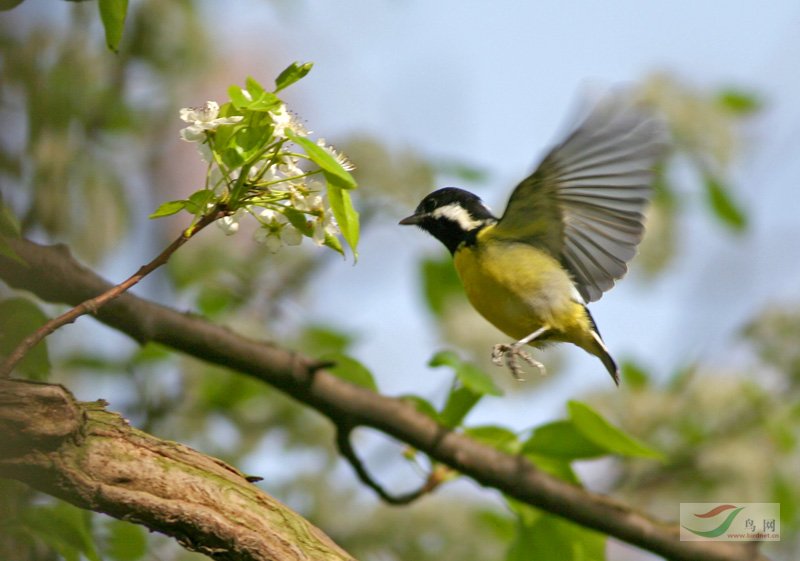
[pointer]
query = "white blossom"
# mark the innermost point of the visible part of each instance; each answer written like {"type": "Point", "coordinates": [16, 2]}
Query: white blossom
{"type": "Point", "coordinates": [230, 224]}
{"type": "Point", "coordinates": [340, 158]}
{"type": "Point", "coordinates": [323, 222]}
{"type": "Point", "coordinates": [324, 226]}
{"type": "Point", "coordinates": [283, 119]}
{"type": "Point", "coordinates": [276, 231]}
{"type": "Point", "coordinates": [203, 119]}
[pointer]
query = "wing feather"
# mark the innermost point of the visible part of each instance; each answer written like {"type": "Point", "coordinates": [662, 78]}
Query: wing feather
{"type": "Point", "coordinates": [585, 202]}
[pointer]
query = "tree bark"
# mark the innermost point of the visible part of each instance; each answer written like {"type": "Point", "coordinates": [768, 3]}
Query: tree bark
{"type": "Point", "coordinates": [92, 458]}
{"type": "Point", "coordinates": [53, 275]}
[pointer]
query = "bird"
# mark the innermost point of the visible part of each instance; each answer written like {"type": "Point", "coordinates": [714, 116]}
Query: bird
{"type": "Point", "coordinates": [567, 234]}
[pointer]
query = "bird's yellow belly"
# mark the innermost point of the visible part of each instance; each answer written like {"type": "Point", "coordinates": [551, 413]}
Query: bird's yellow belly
{"type": "Point", "coordinates": [520, 289]}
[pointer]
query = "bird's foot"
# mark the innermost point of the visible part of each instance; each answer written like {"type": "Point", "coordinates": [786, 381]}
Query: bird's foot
{"type": "Point", "coordinates": [508, 355]}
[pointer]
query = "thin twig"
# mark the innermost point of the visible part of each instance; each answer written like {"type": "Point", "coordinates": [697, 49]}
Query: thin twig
{"type": "Point", "coordinates": [346, 449]}
{"type": "Point", "coordinates": [93, 304]}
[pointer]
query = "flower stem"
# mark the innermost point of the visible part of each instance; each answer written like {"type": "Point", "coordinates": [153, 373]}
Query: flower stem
{"type": "Point", "coordinates": [94, 304]}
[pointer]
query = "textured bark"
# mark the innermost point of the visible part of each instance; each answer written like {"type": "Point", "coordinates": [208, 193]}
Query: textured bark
{"type": "Point", "coordinates": [53, 275]}
{"type": "Point", "coordinates": [92, 458]}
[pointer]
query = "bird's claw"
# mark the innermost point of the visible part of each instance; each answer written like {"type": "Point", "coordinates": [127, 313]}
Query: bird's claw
{"type": "Point", "coordinates": [508, 355]}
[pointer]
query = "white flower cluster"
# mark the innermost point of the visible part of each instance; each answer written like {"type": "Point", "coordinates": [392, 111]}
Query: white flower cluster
{"type": "Point", "coordinates": [203, 119]}
{"type": "Point", "coordinates": [283, 119]}
{"type": "Point", "coordinates": [275, 229]}
{"type": "Point", "coordinates": [277, 183]}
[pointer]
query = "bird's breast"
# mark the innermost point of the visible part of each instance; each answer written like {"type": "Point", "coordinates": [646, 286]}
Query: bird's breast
{"type": "Point", "coordinates": [517, 287]}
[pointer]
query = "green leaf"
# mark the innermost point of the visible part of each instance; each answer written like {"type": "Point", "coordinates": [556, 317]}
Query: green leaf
{"type": "Point", "coordinates": [262, 100]}
{"type": "Point", "coordinates": [335, 174]}
{"type": "Point", "coordinates": [440, 283]}
{"type": "Point", "coordinates": [561, 439]}
{"type": "Point", "coordinates": [500, 525]}
{"type": "Point", "coordinates": [467, 373]}
{"type": "Point", "coordinates": [349, 369]}
{"type": "Point", "coordinates": [473, 385]}
{"type": "Point", "coordinates": [231, 157]}
{"type": "Point", "coordinates": [552, 538]}
{"type": "Point", "coordinates": [226, 394]}
{"type": "Point", "coordinates": [462, 170]}
{"type": "Point", "coordinates": [459, 403]}
{"type": "Point", "coordinates": [9, 225]}
{"type": "Point", "coordinates": [634, 376]}
{"type": "Point", "coordinates": [557, 467]}
{"type": "Point", "coordinates": [346, 216]}
{"type": "Point", "coordinates": [126, 541]}
{"type": "Point", "coordinates": [251, 139]}
{"type": "Point", "coordinates": [525, 514]}
{"type": "Point", "coordinates": [150, 353]}
{"type": "Point", "coordinates": [325, 339]}
{"type": "Point", "coordinates": [198, 201]}
{"type": "Point", "coordinates": [19, 318]}
{"type": "Point", "coordinates": [594, 427]}
{"type": "Point", "coordinates": [339, 182]}
{"type": "Point", "coordinates": [7, 251]}
{"type": "Point", "coordinates": [739, 102]}
{"type": "Point", "coordinates": [423, 406]}
{"type": "Point", "coordinates": [238, 98]}
{"type": "Point", "coordinates": [254, 88]}
{"type": "Point", "coordinates": [65, 528]}
{"type": "Point", "coordinates": [784, 491]}
{"type": "Point", "coordinates": [224, 135]}
{"type": "Point", "coordinates": [267, 101]}
{"type": "Point", "coordinates": [333, 242]}
{"type": "Point", "coordinates": [214, 298]}
{"type": "Point", "coordinates": [497, 437]}
{"type": "Point", "coordinates": [6, 5]}
{"type": "Point", "coordinates": [723, 205]}
{"type": "Point", "coordinates": [299, 220]}
{"type": "Point", "coordinates": [259, 99]}
{"type": "Point", "coordinates": [292, 74]}
{"type": "Point", "coordinates": [169, 208]}
{"type": "Point", "coordinates": [113, 13]}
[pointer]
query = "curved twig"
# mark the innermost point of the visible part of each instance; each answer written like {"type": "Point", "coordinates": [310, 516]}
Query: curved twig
{"type": "Point", "coordinates": [345, 446]}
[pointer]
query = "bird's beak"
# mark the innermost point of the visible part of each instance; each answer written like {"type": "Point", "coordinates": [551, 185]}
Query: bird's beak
{"type": "Point", "coordinates": [412, 220]}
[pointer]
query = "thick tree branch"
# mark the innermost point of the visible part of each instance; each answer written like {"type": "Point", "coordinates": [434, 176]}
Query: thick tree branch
{"type": "Point", "coordinates": [94, 459]}
{"type": "Point", "coordinates": [53, 275]}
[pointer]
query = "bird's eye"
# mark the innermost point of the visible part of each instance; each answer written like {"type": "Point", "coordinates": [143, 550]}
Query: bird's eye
{"type": "Point", "coordinates": [429, 205]}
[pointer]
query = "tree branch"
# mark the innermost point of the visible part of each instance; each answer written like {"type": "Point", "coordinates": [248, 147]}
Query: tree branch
{"type": "Point", "coordinates": [92, 304]}
{"type": "Point", "coordinates": [92, 458]}
{"type": "Point", "coordinates": [53, 275]}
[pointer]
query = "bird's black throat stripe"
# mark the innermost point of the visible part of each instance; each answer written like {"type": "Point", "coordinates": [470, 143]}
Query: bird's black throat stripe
{"type": "Point", "coordinates": [471, 238]}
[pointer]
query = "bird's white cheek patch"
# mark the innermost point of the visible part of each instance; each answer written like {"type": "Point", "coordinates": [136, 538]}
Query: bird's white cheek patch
{"type": "Point", "coordinates": [459, 215]}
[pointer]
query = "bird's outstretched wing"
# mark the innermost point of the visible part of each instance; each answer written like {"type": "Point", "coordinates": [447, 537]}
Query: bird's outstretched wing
{"type": "Point", "coordinates": [584, 202]}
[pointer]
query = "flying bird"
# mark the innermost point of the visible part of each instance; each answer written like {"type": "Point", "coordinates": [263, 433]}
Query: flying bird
{"type": "Point", "coordinates": [567, 234]}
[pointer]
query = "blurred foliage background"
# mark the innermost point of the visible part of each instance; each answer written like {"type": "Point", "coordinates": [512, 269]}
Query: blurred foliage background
{"type": "Point", "coordinates": [88, 149]}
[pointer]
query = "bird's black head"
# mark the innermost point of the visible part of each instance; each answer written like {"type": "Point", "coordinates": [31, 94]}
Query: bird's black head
{"type": "Point", "coordinates": [451, 215]}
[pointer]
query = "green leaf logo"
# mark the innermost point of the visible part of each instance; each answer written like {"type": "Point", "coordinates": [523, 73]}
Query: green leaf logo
{"type": "Point", "coordinates": [723, 527]}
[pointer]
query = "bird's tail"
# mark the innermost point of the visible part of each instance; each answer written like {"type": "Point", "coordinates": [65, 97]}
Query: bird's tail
{"type": "Point", "coordinates": [598, 348]}
{"type": "Point", "coordinates": [601, 351]}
